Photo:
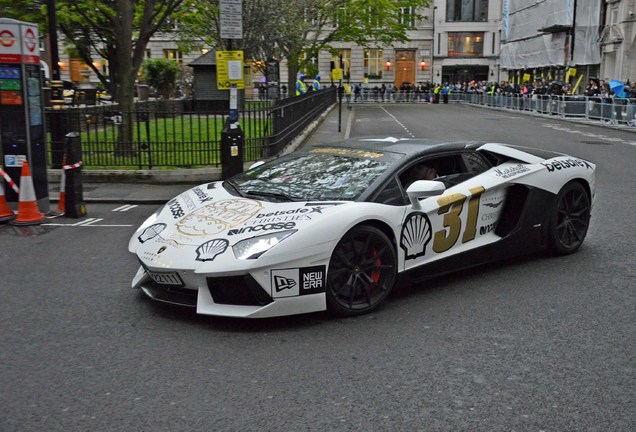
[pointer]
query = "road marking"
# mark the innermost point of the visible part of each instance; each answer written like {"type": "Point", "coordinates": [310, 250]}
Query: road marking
{"type": "Point", "coordinates": [91, 224]}
{"type": "Point", "coordinates": [398, 122]}
{"type": "Point", "coordinates": [588, 134]}
{"type": "Point", "coordinates": [125, 207]}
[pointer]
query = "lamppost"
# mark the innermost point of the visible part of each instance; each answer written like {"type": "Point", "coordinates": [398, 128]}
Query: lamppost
{"type": "Point", "coordinates": [433, 44]}
{"type": "Point", "coordinates": [55, 56]}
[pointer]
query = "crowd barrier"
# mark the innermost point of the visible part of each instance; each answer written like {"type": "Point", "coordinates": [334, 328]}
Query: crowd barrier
{"type": "Point", "coordinates": [614, 111]}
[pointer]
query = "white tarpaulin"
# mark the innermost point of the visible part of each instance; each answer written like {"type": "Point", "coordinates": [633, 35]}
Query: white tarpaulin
{"type": "Point", "coordinates": [536, 33]}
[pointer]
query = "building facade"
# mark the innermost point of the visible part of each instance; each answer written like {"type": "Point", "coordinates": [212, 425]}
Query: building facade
{"type": "Point", "coordinates": [466, 40]}
{"type": "Point", "coordinates": [618, 40]}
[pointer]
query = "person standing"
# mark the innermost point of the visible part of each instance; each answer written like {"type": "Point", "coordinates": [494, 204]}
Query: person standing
{"type": "Point", "coordinates": [301, 87]}
{"type": "Point", "coordinates": [316, 83]}
{"type": "Point", "coordinates": [445, 90]}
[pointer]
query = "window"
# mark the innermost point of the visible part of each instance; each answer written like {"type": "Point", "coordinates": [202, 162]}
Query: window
{"type": "Point", "coordinates": [464, 44]}
{"type": "Point", "coordinates": [407, 16]}
{"type": "Point", "coordinates": [340, 14]}
{"type": "Point", "coordinates": [148, 54]}
{"type": "Point", "coordinates": [391, 194]}
{"type": "Point", "coordinates": [467, 10]}
{"type": "Point", "coordinates": [323, 174]}
{"type": "Point", "coordinates": [173, 54]}
{"type": "Point", "coordinates": [309, 62]}
{"type": "Point", "coordinates": [373, 59]}
{"type": "Point", "coordinates": [450, 170]}
{"type": "Point", "coordinates": [341, 59]}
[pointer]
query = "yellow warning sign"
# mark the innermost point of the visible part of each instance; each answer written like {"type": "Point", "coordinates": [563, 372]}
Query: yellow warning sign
{"type": "Point", "coordinates": [337, 74]}
{"type": "Point", "coordinates": [229, 69]}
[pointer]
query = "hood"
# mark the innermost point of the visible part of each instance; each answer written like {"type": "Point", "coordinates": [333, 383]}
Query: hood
{"type": "Point", "coordinates": [206, 220]}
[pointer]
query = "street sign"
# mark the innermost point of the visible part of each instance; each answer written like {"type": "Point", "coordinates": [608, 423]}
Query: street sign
{"type": "Point", "coordinates": [19, 42]}
{"type": "Point", "coordinates": [231, 14]}
{"type": "Point", "coordinates": [229, 70]}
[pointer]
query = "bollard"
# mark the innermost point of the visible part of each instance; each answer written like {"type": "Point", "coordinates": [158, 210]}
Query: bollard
{"type": "Point", "coordinates": [74, 200]}
{"type": "Point", "coordinates": [231, 150]}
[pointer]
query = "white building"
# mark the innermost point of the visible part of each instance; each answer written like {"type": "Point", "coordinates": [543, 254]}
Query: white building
{"type": "Point", "coordinates": [482, 40]}
{"type": "Point", "coordinates": [618, 40]}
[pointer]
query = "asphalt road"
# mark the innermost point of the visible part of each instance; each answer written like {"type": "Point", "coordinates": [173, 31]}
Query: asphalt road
{"type": "Point", "coordinates": [535, 344]}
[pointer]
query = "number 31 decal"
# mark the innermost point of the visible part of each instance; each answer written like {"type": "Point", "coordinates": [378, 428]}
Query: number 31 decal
{"type": "Point", "coordinates": [451, 207]}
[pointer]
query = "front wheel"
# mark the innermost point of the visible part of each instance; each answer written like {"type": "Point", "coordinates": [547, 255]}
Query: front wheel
{"type": "Point", "coordinates": [362, 271]}
{"type": "Point", "coordinates": [570, 219]}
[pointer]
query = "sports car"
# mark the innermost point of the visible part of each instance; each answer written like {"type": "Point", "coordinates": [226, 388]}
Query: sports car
{"type": "Point", "coordinates": [334, 227]}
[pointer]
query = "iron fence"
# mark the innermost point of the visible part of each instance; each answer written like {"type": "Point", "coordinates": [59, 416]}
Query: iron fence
{"type": "Point", "coordinates": [171, 134]}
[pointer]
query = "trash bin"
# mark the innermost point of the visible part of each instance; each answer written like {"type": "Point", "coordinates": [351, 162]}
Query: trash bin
{"type": "Point", "coordinates": [143, 92]}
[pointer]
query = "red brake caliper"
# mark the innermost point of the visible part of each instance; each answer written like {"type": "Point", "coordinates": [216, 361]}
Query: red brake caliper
{"type": "Point", "coordinates": [375, 274]}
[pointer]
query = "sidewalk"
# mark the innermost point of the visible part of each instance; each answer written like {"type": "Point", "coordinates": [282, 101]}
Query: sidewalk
{"type": "Point", "coordinates": [159, 186]}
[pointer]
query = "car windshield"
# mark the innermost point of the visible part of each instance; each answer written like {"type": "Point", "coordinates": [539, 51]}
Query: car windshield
{"type": "Point", "coordinates": [318, 175]}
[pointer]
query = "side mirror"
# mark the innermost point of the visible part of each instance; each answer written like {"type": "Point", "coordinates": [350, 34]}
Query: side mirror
{"type": "Point", "coordinates": [424, 189]}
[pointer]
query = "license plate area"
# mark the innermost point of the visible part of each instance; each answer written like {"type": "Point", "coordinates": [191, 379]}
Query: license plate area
{"type": "Point", "coordinates": [166, 278]}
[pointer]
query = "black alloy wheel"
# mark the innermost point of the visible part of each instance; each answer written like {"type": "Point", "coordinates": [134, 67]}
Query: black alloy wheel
{"type": "Point", "coordinates": [362, 271]}
{"type": "Point", "coordinates": [570, 219]}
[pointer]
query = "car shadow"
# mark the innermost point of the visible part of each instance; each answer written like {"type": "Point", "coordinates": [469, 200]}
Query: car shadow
{"type": "Point", "coordinates": [408, 289]}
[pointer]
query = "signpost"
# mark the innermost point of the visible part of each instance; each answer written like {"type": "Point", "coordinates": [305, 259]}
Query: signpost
{"type": "Point", "coordinates": [229, 72]}
{"type": "Point", "coordinates": [231, 12]}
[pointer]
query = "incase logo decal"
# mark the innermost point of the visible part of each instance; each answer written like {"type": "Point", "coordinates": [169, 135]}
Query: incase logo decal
{"type": "Point", "coordinates": [265, 227]}
{"type": "Point", "coordinates": [299, 281]}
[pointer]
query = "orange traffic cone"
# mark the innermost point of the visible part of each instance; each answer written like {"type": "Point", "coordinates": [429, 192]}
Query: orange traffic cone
{"type": "Point", "coordinates": [28, 212]}
{"type": "Point", "coordinates": [6, 213]}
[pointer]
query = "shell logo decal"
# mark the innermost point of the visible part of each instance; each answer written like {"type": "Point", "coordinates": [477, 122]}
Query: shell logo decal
{"type": "Point", "coordinates": [416, 234]}
{"type": "Point", "coordinates": [209, 250]}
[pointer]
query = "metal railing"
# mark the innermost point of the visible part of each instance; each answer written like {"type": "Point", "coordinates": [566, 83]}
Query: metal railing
{"type": "Point", "coordinates": [613, 111]}
{"type": "Point", "coordinates": [171, 134]}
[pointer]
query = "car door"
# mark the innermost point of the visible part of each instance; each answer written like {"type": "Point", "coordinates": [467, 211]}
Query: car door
{"type": "Point", "coordinates": [461, 218]}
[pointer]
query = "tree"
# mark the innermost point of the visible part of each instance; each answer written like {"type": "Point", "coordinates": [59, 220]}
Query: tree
{"type": "Point", "coordinates": [161, 74]}
{"type": "Point", "coordinates": [288, 28]}
{"type": "Point", "coordinates": [116, 30]}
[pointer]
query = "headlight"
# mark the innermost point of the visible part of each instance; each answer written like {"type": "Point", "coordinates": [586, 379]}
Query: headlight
{"type": "Point", "coordinates": [254, 247]}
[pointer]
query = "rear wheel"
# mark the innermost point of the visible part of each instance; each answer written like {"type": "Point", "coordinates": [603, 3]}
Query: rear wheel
{"type": "Point", "coordinates": [362, 271]}
{"type": "Point", "coordinates": [570, 219]}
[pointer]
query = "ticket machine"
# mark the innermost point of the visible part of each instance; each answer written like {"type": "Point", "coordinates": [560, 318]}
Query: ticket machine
{"type": "Point", "coordinates": [22, 132]}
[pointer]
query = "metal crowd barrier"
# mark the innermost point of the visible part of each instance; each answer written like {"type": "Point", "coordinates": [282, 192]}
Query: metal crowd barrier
{"type": "Point", "coordinates": [616, 111]}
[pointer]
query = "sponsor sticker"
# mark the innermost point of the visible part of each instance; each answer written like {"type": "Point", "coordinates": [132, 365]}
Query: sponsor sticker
{"type": "Point", "coordinates": [511, 171]}
{"type": "Point", "coordinates": [216, 217]}
{"type": "Point", "coordinates": [298, 281]}
{"type": "Point", "coordinates": [562, 164]}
